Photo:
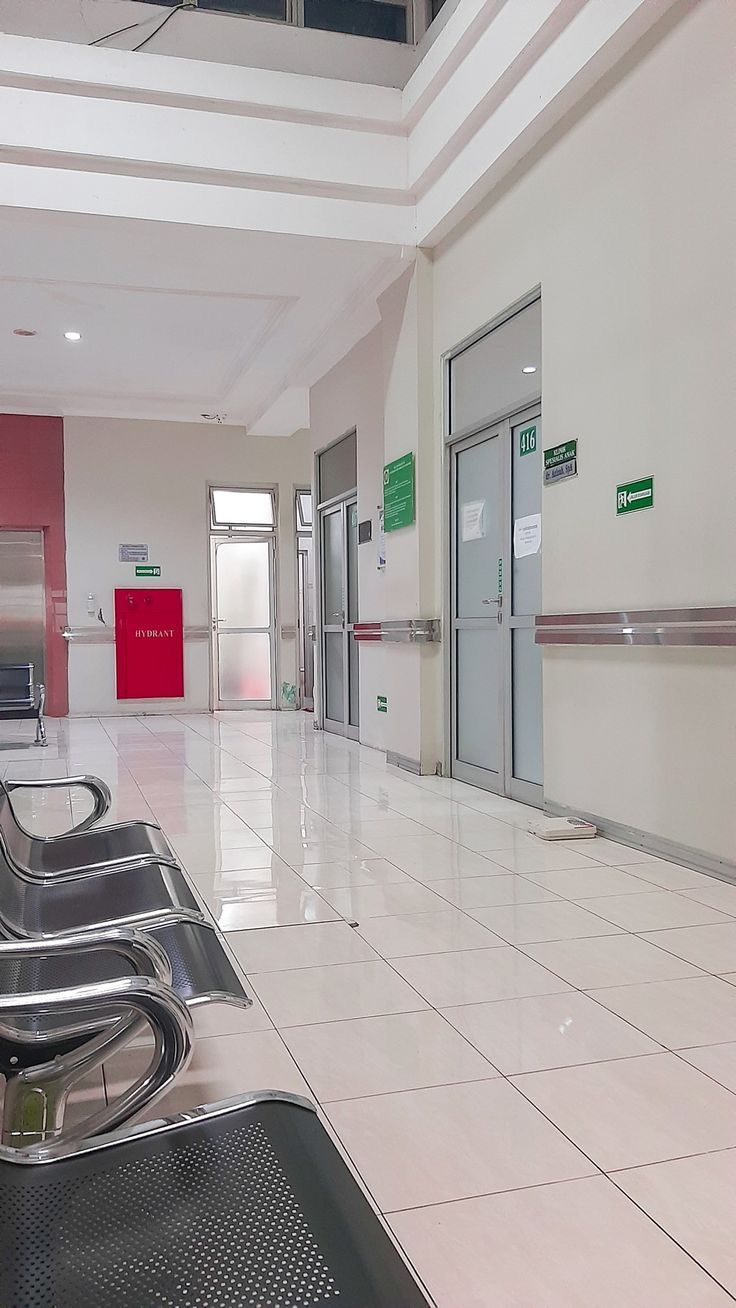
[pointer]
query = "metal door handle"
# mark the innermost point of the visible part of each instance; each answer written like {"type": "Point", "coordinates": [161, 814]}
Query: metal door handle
{"type": "Point", "coordinates": [493, 601]}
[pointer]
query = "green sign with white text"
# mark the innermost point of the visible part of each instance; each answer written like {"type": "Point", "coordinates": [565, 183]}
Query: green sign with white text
{"type": "Point", "coordinates": [633, 495]}
{"type": "Point", "coordinates": [381, 704]}
{"type": "Point", "coordinates": [399, 506]}
{"type": "Point", "coordinates": [528, 440]}
{"type": "Point", "coordinates": [148, 570]}
{"type": "Point", "coordinates": [561, 462]}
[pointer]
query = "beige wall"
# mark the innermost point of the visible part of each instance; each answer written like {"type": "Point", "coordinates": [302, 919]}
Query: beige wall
{"type": "Point", "coordinates": [147, 481]}
{"type": "Point", "coordinates": [383, 389]}
{"type": "Point", "coordinates": [627, 223]}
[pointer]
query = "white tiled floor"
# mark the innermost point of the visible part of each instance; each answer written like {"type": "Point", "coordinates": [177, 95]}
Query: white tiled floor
{"type": "Point", "coordinates": [528, 1051]}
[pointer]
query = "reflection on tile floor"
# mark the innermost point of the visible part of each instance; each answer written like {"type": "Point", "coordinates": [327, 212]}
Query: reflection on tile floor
{"type": "Point", "coordinates": [526, 1050]}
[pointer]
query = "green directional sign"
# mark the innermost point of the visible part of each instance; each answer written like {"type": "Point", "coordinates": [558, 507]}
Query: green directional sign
{"type": "Point", "coordinates": [633, 495]}
{"type": "Point", "coordinates": [381, 704]}
{"type": "Point", "coordinates": [149, 570]}
{"type": "Point", "coordinates": [399, 505]}
{"type": "Point", "coordinates": [528, 440]}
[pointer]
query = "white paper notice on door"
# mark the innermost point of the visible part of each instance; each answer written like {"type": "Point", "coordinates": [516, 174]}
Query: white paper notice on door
{"type": "Point", "coordinates": [527, 535]}
{"type": "Point", "coordinates": [473, 520]}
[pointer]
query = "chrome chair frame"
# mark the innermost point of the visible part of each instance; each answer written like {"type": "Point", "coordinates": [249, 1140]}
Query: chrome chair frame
{"type": "Point", "coordinates": [153, 846]}
{"type": "Point", "coordinates": [36, 1097]}
{"type": "Point", "coordinates": [31, 705]}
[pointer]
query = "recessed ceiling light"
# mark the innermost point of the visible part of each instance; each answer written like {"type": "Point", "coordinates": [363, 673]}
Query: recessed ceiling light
{"type": "Point", "coordinates": [72, 336]}
{"type": "Point", "coordinates": [24, 331]}
{"type": "Point", "coordinates": [530, 367]}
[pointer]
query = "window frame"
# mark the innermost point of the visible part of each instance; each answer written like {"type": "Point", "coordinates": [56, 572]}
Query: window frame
{"type": "Point", "coordinates": [244, 528]}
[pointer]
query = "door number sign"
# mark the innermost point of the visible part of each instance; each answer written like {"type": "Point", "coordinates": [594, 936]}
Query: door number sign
{"type": "Point", "coordinates": [528, 440]}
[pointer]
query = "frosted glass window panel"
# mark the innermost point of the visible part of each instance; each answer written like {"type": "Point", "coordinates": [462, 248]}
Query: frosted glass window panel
{"type": "Point", "coordinates": [245, 665]}
{"type": "Point", "coordinates": [334, 676]}
{"type": "Point", "coordinates": [477, 552]}
{"type": "Point", "coordinates": [332, 568]}
{"type": "Point", "coordinates": [244, 584]}
{"type": "Point", "coordinates": [242, 508]}
{"type": "Point", "coordinates": [527, 705]}
{"type": "Point", "coordinates": [487, 379]}
{"type": "Point", "coordinates": [352, 528]}
{"type": "Point", "coordinates": [338, 469]}
{"type": "Point", "coordinates": [304, 510]}
{"type": "Point", "coordinates": [478, 726]}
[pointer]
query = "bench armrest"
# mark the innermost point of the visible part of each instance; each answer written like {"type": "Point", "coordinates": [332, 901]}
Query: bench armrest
{"type": "Point", "coordinates": [35, 1099]}
{"type": "Point", "coordinates": [100, 793]}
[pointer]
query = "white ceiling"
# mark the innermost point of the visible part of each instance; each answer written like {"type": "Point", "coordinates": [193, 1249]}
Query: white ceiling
{"type": "Point", "coordinates": [176, 321]}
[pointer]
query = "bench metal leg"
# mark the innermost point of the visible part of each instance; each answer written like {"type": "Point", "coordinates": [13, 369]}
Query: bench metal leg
{"type": "Point", "coordinates": [40, 724]}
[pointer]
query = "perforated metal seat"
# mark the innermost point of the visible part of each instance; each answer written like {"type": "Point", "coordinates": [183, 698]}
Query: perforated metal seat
{"type": "Point", "coordinates": [146, 895]}
{"type": "Point", "coordinates": [246, 1204]}
{"type": "Point", "coordinates": [201, 970]}
{"type": "Point", "coordinates": [85, 849]}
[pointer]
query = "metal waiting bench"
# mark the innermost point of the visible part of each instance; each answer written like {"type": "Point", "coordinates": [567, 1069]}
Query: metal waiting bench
{"type": "Point", "coordinates": [86, 848]}
{"type": "Point", "coordinates": [20, 698]}
{"type": "Point", "coordinates": [244, 1203]}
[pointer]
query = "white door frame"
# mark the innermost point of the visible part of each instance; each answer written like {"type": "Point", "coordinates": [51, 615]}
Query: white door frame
{"type": "Point", "coordinates": [231, 538]}
{"type": "Point", "coordinates": [508, 785]}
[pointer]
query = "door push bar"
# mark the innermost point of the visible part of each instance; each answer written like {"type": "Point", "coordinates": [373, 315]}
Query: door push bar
{"type": "Point", "coordinates": [405, 631]}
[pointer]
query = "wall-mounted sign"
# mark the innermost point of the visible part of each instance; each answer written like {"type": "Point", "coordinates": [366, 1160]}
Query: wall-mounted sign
{"type": "Point", "coordinates": [381, 704]}
{"type": "Point", "coordinates": [527, 535]}
{"type": "Point", "coordinates": [528, 440]}
{"type": "Point", "coordinates": [473, 518]}
{"type": "Point", "coordinates": [132, 553]}
{"type": "Point", "coordinates": [633, 495]}
{"type": "Point", "coordinates": [399, 508]}
{"type": "Point", "coordinates": [560, 462]}
{"type": "Point", "coordinates": [148, 570]}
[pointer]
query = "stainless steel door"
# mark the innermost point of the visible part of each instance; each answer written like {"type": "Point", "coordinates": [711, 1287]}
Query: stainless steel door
{"type": "Point", "coordinates": [340, 663]}
{"type": "Point", "coordinates": [477, 526]}
{"type": "Point", "coordinates": [22, 600]}
{"type": "Point", "coordinates": [243, 622]}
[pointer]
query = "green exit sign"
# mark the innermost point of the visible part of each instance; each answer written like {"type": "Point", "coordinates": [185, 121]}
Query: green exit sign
{"type": "Point", "coordinates": [633, 495]}
{"type": "Point", "coordinates": [148, 570]}
{"type": "Point", "coordinates": [381, 704]}
{"type": "Point", "coordinates": [528, 440]}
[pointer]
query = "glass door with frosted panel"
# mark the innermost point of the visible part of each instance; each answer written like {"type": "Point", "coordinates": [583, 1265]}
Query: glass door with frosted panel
{"type": "Point", "coordinates": [243, 623]}
{"type": "Point", "coordinates": [340, 664]}
{"type": "Point", "coordinates": [477, 611]}
{"type": "Point", "coordinates": [524, 704]}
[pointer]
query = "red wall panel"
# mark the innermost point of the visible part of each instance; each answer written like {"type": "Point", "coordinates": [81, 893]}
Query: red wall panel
{"type": "Point", "coordinates": [32, 497]}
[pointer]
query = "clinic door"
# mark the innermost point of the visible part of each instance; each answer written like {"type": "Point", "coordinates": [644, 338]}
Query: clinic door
{"type": "Point", "coordinates": [495, 666]}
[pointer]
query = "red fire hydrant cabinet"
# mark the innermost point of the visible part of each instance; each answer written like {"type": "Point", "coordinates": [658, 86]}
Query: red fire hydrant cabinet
{"type": "Point", "coordinates": [149, 644]}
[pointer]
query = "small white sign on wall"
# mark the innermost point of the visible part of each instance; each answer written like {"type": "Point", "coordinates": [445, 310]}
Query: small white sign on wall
{"type": "Point", "coordinates": [132, 553]}
{"type": "Point", "coordinates": [473, 520]}
{"type": "Point", "coordinates": [527, 535]}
